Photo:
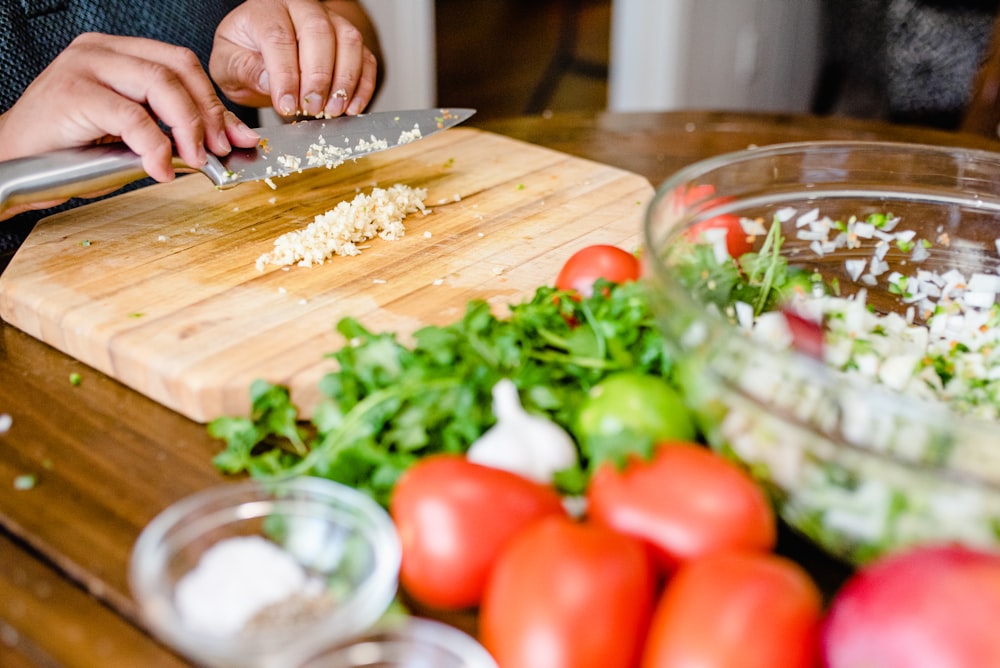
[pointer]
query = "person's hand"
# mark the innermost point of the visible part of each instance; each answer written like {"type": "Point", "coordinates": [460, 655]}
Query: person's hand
{"type": "Point", "coordinates": [106, 88]}
{"type": "Point", "coordinates": [299, 56]}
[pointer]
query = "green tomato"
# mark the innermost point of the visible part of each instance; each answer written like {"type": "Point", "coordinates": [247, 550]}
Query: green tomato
{"type": "Point", "coordinates": [631, 412]}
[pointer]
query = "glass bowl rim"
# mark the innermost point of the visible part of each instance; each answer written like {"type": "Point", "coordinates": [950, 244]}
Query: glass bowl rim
{"type": "Point", "coordinates": [412, 630]}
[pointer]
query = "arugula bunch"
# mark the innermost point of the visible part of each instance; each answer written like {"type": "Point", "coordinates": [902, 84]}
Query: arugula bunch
{"type": "Point", "coordinates": [389, 404]}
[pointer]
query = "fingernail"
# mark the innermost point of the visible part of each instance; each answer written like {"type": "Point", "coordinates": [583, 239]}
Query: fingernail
{"type": "Point", "coordinates": [338, 100]}
{"type": "Point", "coordinates": [200, 155]}
{"type": "Point", "coordinates": [335, 107]}
{"type": "Point", "coordinates": [263, 83]}
{"type": "Point", "coordinates": [287, 105]}
{"type": "Point", "coordinates": [311, 104]}
{"type": "Point", "coordinates": [247, 131]}
{"type": "Point", "coordinates": [224, 141]}
{"type": "Point", "coordinates": [356, 107]}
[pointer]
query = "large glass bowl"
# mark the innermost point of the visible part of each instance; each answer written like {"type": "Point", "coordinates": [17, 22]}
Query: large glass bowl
{"type": "Point", "coordinates": [857, 466]}
{"type": "Point", "coordinates": [342, 544]}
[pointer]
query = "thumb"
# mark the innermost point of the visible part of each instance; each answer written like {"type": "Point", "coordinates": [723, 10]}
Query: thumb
{"type": "Point", "coordinates": [240, 74]}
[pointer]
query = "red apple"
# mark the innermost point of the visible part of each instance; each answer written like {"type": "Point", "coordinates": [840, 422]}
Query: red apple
{"type": "Point", "coordinates": [927, 607]}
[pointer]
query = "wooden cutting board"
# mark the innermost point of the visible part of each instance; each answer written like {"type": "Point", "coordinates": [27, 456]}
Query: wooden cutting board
{"type": "Point", "coordinates": [158, 288]}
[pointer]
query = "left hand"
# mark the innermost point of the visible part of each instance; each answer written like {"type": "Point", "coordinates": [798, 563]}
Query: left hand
{"type": "Point", "coordinates": [299, 56]}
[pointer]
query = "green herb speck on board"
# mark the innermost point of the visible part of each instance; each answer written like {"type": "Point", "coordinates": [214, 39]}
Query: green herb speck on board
{"type": "Point", "coordinates": [136, 314]}
{"type": "Point", "coordinates": [75, 378]}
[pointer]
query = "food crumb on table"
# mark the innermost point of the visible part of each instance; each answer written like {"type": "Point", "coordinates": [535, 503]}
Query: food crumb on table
{"type": "Point", "coordinates": [25, 482]}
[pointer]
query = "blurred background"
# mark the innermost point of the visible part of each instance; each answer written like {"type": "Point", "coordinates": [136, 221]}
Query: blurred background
{"type": "Point", "coordinates": [511, 57]}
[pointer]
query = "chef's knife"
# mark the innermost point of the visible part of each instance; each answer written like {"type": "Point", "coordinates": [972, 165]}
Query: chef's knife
{"type": "Point", "coordinates": [283, 149]}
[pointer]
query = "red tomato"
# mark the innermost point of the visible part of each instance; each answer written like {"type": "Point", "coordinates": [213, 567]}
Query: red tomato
{"type": "Point", "coordinates": [453, 517]}
{"type": "Point", "coordinates": [686, 502]}
{"type": "Point", "coordinates": [568, 595]}
{"type": "Point", "coordinates": [923, 608]}
{"type": "Point", "coordinates": [737, 241]}
{"type": "Point", "coordinates": [588, 264]}
{"type": "Point", "coordinates": [694, 194]}
{"type": "Point", "coordinates": [737, 610]}
{"type": "Point", "coordinates": [807, 334]}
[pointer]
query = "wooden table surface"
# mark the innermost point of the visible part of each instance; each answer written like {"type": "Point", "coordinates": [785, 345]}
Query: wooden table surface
{"type": "Point", "coordinates": [106, 459]}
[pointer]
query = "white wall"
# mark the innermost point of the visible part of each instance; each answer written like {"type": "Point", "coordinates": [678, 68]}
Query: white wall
{"type": "Point", "coordinates": [406, 33]}
{"type": "Point", "coordinates": [713, 54]}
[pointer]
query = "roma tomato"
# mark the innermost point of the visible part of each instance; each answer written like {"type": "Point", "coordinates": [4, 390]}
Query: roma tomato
{"type": "Point", "coordinates": [737, 240]}
{"type": "Point", "coordinates": [923, 608]}
{"type": "Point", "coordinates": [686, 502]}
{"type": "Point", "coordinates": [568, 595]}
{"type": "Point", "coordinates": [736, 610]}
{"type": "Point", "coordinates": [632, 405]}
{"type": "Point", "coordinates": [453, 518]}
{"type": "Point", "coordinates": [584, 267]}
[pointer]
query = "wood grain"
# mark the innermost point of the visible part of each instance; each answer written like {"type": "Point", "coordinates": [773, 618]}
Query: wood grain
{"type": "Point", "coordinates": [158, 288]}
{"type": "Point", "coordinates": [46, 621]}
{"type": "Point", "coordinates": [108, 459]}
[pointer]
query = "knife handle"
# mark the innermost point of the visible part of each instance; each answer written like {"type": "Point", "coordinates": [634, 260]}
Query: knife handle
{"type": "Point", "coordinates": [61, 175]}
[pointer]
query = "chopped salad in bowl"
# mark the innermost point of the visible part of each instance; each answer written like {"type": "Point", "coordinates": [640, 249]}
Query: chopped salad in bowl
{"type": "Point", "coordinates": [833, 307]}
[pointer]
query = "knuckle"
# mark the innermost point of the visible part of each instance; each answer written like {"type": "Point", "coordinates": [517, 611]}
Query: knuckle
{"type": "Point", "coordinates": [315, 26]}
{"type": "Point", "coordinates": [85, 39]}
{"type": "Point", "coordinates": [349, 35]}
{"type": "Point", "coordinates": [278, 35]}
{"type": "Point", "coordinates": [158, 74]}
{"type": "Point", "coordinates": [133, 116]}
{"type": "Point", "coordinates": [214, 109]}
{"type": "Point", "coordinates": [185, 58]}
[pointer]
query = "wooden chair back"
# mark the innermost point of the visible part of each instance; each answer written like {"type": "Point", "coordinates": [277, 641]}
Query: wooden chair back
{"type": "Point", "coordinates": [982, 114]}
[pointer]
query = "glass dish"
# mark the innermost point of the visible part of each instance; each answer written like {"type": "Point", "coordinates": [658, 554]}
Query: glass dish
{"type": "Point", "coordinates": [858, 467]}
{"type": "Point", "coordinates": [326, 561]}
{"type": "Point", "coordinates": [407, 642]}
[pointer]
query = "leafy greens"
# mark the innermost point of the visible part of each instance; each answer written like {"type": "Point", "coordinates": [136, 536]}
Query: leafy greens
{"type": "Point", "coordinates": [389, 404]}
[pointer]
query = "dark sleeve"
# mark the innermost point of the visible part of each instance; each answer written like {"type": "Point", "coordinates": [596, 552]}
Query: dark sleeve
{"type": "Point", "coordinates": [955, 5]}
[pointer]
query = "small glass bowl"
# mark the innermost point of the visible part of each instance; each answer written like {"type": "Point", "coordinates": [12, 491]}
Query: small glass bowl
{"type": "Point", "coordinates": [858, 468]}
{"type": "Point", "coordinates": [407, 642]}
{"type": "Point", "coordinates": [343, 542]}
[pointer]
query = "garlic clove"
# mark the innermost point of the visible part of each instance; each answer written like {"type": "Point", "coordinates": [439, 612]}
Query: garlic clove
{"type": "Point", "coordinates": [530, 445]}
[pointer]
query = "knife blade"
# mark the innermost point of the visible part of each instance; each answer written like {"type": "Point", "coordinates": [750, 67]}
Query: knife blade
{"type": "Point", "coordinates": [283, 150]}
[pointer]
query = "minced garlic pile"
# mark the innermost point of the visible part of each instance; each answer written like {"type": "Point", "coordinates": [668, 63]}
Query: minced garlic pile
{"type": "Point", "coordinates": [340, 230]}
